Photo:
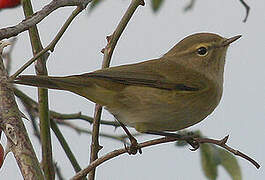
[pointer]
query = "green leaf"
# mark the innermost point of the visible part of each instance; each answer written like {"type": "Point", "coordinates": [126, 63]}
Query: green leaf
{"type": "Point", "coordinates": [209, 161]}
{"type": "Point", "coordinates": [156, 4]}
{"type": "Point", "coordinates": [94, 4]}
{"type": "Point", "coordinates": [229, 162]}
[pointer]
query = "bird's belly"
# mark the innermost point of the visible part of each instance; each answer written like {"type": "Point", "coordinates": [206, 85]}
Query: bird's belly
{"type": "Point", "coordinates": [162, 110]}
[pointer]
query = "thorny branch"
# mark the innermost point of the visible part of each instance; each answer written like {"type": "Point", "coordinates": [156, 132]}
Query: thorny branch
{"type": "Point", "coordinates": [198, 140]}
{"type": "Point", "coordinates": [222, 143]}
{"type": "Point", "coordinates": [108, 51]}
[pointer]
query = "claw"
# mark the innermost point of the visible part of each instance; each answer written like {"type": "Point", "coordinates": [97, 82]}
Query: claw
{"type": "Point", "coordinates": [134, 147]}
{"type": "Point", "coordinates": [132, 150]}
{"type": "Point", "coordinates": [195, 144]}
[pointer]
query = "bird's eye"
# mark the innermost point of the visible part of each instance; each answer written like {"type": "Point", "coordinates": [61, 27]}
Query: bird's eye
{"type": "Point", "coordinates": [202, 51]}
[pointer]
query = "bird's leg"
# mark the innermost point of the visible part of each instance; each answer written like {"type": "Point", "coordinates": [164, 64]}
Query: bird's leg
{"type": "Point", "coordinates": [134, 147]}
{"type": "Point", "coordinates": [189, 138]}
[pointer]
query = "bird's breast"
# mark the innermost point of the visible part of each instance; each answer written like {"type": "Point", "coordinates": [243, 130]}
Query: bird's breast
{"type": "Point", "coordinates": [147, 108]}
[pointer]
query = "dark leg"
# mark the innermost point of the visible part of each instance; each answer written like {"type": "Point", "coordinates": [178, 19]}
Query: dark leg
{"type": "Point", "coordinates": [133, 149]}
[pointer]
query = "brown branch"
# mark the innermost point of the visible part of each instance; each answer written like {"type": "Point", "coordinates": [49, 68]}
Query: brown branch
{"type": "Point", "coordinates": [115, 153]}
{"type": "Point", "coordinates": [247, 9]}
{"type": "Point", "coordinates": [39, 16]}
{"type": "Point", "coordinates": [108, 51]}
{"type": "Point", "coordinates": [95, 147]}
{"type": "Point", "coordinates": [222, 143]}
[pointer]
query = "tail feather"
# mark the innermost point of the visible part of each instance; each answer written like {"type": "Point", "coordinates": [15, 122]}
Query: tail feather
{"type": "Point", "coordinates": [62, 83]}
{"type": "Point", "coordinates": [78, 84]}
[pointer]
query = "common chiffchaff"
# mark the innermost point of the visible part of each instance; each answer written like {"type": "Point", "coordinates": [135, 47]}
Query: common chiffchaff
{"type": "Point", "coordinates": [170, 93]}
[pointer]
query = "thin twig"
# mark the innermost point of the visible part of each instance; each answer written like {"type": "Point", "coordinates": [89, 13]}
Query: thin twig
{"type": "Point", "coordinates": [247, 9]}
{"type": "Point", "coordinates": [113, 39]}
{"type": "Point", "coordinates": [122, 138]}
{"type": "Point", "coordinates": [39, 16]}
{"type": "Point", "coordinates": [95, 147]}
{"type": "Point", "coordinates": [115, 153]}
{"type": "Point", "coordinates": [52, 44]}
{"type": "Point", "coordinates": [65, 146]}
{"type": "Point", "coordinates": [108, 51]}
{"type": "Point", "coordinates": [80, 116]}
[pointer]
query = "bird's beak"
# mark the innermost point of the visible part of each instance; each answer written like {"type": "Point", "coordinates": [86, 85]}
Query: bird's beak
{"type": "Point", "coordinates": [230, 40]}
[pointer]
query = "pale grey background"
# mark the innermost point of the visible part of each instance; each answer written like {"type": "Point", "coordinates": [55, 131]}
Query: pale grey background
{"type": "Point", "coordinates": [240, 113]}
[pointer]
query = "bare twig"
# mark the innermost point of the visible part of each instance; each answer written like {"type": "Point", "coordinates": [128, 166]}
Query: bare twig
{"type": "Point", "coordinates": [52, 44]}
{"type": "Point", "coordinates": [122, 138]}
{"type": "Point", "coordinates": [108, 51]}
{"type": "Point", "coordinates": [39, 16]}
{"type": "Point", "coordinates": [113, 39]}
{"type": "Point", "coordinates": [247, 9]}
{"type": "Point", "coordinates": [80, 116]}
{"type": "Point", "coordinates": [95, 147]}
{"type": "Point", "coordinates": [115, 153]}
{"type": "Point", "coordinates": [65, 146]}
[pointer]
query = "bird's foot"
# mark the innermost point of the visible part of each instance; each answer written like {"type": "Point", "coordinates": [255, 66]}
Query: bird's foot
{"type": "Point", "coordinates": [134, 148]}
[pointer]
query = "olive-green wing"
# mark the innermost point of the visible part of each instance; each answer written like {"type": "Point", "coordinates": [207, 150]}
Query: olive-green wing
{"type": "Point", "coordinates": [148, 73]}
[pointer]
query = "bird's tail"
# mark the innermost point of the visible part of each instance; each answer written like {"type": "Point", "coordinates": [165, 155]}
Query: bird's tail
{"type": "Point", "coordinates": [70, 83]}
{"type": "Point", "coordinates": [83, 85]}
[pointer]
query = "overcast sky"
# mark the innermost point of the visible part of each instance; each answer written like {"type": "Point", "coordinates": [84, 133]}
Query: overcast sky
{"type": "Point", "coordinates": [241, 111]}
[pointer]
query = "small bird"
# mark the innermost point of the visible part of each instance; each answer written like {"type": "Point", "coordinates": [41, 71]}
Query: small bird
{"type": "Point", "coordinates": [170, 93]}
